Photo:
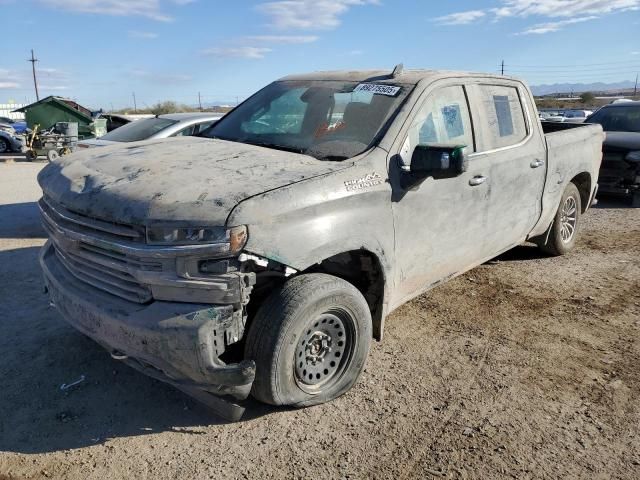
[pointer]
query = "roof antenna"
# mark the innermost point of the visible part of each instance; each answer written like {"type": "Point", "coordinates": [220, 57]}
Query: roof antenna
{"type": "Point", "coordinates": [397, 70]}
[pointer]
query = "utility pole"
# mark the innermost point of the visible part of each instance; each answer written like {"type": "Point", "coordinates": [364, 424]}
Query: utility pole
{"type": "Point", "coordinates": [502, 67]}
{"type": "Point", "coordinates": [200, 101]}
{"type": "Point", "coordinates": [33, 61]}
{"type": "Point", "coordinates": [135, 105]}
{"type": "Point", "coordinates": [635, 89]}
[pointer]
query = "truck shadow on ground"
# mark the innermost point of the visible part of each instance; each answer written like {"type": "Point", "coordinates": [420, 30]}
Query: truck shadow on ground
{"type": "Point", "coordinates": [40, 353]}
{"type": "Point", "coordinates": [20, 220]}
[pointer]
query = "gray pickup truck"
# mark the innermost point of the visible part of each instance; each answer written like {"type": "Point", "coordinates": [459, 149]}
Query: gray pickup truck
{"type": "Point", "coordinates": [263, 257]}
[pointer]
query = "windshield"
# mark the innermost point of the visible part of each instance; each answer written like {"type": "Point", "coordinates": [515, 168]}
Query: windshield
{"type": "Point", "coordinates": [328, 120]}
{"type": "Point", "coordinates": [138, 130]}
{"type": "Point", "coordinates": [617, 119]}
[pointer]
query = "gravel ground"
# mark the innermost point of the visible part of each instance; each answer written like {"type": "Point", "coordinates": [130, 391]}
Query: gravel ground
{"type": "Point", "coordinates": [525, 367]}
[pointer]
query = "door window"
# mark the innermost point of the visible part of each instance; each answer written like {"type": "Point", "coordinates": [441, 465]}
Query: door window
{"type": "Point", "coordinates": [503, 116]}
{"type": "Point", "coordinates": [443, 120]}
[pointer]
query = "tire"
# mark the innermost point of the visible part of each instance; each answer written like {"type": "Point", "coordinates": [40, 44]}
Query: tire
{"type": "Point", "coordinates": [52, 156]}
{"type": "Point", "coordinates": [564, 230]}
{"type": "Point", "coordinates": [310, 340]}
{"type": "Point", "coordinates": [31, 155]}
{"type": "Point", "coordinates": [4, 146]}
{"type": "Point", "coordinates": [635, 200]}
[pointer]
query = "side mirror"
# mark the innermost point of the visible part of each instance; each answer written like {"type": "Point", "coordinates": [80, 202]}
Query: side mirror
{"type": "Point", "coordinates": [439, 161]}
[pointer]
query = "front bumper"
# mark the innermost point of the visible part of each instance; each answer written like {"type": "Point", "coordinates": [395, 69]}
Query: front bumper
{"type": "Point", "coordinates": [171, 341]}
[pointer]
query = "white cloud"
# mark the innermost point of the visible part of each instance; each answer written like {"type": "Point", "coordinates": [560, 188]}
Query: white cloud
{"type": "Point", "coordinates": [308, 14]}
{"type": "Point", "coordinates": [542, 28]}
{"type": "Point", "coordinates": [283, 39]}
{"type": "Point", "coordinates": [461, 18]}
{"type": "Point", "coordinates": [563, 8]}
{"type": "Point", "coordinates": [8, 79]}
{"type": "Point", "coordinates": [152, 9]}
{"type": "Point", "coordinates": [53, 87]}
{"type": "Point", "coordinates": [560, 12]}
{"type": "Point", "coordinates": [142, 35]}
{"type": "Point", "coordinates": [237, 52]}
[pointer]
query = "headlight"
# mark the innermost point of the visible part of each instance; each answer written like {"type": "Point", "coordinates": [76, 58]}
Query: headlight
{"type": "Point", "coordinates": [633, 156]}
{"type": "Point", "coordinates": [235, 237]}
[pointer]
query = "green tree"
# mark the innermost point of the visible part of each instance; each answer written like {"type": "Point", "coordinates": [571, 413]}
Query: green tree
{"type": "Point", "coordinates": [587, 97]}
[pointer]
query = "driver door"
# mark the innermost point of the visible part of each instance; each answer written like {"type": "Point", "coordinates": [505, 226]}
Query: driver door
{"type": "Point", "coordinates": [440, 224]}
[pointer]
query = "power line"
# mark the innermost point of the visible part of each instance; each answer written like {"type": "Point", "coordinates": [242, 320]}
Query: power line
{"type": "Point", "coordinates": [575, 65]}
{"type": "Point", "coordinates": [609, 69]}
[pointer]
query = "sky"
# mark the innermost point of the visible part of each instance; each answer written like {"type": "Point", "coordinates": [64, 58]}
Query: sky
{"type": "Point", "coordinates": [101, 52]}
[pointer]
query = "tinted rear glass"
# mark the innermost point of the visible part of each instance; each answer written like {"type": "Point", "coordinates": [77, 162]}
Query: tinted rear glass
{"type": "Point", "coordinates": [617, 119]}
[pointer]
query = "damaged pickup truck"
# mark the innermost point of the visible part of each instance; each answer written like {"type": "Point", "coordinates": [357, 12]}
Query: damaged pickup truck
{"type": "Point", "coordinates": [263, 257]}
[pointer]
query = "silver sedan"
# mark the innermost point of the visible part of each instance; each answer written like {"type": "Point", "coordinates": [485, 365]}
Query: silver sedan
{"type": "Point", "coordinates": [160, 126]}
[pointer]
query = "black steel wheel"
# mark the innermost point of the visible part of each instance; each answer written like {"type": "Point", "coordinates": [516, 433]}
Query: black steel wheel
{"type": "Point", "coordinates": [324, 350]}
{"type": "Point", "coordinates": [4, 146]}
{"type": "Point", "coordinates": [310, 341]}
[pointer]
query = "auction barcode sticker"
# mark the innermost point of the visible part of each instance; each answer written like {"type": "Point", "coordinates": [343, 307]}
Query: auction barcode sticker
{"type": "Point", "coordinates": [378, 89]}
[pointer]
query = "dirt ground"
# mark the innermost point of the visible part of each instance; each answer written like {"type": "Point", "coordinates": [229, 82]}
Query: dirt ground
{"type": "Point", "coordinates": [526, 367]}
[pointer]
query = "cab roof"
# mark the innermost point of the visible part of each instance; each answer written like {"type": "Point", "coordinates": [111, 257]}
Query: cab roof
{"type": "Point", "coordinates": [406, 77]}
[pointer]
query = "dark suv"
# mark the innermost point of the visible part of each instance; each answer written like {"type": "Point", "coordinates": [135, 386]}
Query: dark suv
{"type": "Point", "coordinates": [620, 170]}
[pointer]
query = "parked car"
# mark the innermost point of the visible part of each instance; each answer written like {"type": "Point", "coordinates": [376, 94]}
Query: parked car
{"type": "Point", "coordinates": [19, 126]}
{"type": "Point", "coordinates": [265, 255]}
{"type": "Point", "coordinates": [620, 171]}
{"type": "Point", "coordinates": [576, 116]}
{"type": "Point", "coordinates": [9, 142]}
{"type": "Point", "coordinates": [552, 116]}
{"type": "Point", "coordinates": [160, 126]}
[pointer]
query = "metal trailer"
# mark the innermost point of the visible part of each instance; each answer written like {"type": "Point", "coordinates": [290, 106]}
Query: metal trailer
{"type": "Point", "coordinates": [62, 139]}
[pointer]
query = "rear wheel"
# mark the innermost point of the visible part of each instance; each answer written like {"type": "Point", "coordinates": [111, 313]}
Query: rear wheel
{"type": "Point", "coordinates": [309, 340]}
{"type": "Point", "coordinates": [4, 146]}
{"type": "Point", "coordinates": [564, 230]}
{"type": "Point", "coordinates": [31, 155]}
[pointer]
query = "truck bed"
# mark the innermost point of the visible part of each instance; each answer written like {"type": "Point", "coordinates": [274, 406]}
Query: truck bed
{"type": "Point", "coordinates": [571, 147]}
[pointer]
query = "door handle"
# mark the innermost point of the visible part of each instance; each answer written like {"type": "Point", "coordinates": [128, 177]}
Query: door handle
{"type": "Point", "coordinates": [536, 163]}
{"type": "Point", "coordinates": [477, 180]}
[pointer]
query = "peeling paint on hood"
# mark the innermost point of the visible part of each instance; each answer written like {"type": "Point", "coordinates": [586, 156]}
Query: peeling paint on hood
{"type": "Point", "coordinates": [183, 181]}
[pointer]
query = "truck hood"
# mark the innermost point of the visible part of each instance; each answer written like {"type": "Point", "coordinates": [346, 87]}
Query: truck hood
{"type": "Point", "coordinates": [183, 181]}
{"type": "Point", "coordinates": [622, 141]}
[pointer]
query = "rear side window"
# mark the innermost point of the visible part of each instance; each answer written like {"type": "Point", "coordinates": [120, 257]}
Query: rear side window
{"type": "Point", "coordinates": [504, 116]}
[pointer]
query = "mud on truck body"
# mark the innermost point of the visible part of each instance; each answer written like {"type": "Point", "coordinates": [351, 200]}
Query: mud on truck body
{"type": "Point", "coordinates": [263, 257]}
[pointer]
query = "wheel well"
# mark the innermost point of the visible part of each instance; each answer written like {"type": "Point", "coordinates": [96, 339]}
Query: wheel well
{"type": "Point", "coordinates": [363, 270]}
{"type": "Point", "coordinates": [583, 182]}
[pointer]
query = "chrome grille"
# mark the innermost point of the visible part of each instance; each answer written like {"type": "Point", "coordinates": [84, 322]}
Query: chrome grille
{"type": "Point", "coordinates": [63, 217]}
{"type": "Point", "coordinates": [103, 268]}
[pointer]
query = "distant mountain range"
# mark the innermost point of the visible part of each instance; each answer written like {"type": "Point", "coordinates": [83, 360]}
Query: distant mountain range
{"type": "Point", "coordinates": [540, 90]}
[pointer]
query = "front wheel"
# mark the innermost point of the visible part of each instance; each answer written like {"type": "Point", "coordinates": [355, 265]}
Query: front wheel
{"type": "Point", "coordinates": [310, 341]}
{"type": "Point", "coordinates": [564, 230]}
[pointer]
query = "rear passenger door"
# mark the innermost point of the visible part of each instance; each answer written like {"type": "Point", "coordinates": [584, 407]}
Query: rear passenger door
{"type": "Point", "coordinates": [515, 155]}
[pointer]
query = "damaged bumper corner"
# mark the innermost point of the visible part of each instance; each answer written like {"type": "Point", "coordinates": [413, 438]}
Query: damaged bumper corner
{"type": "Point", "coordinates": [178, 343]}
